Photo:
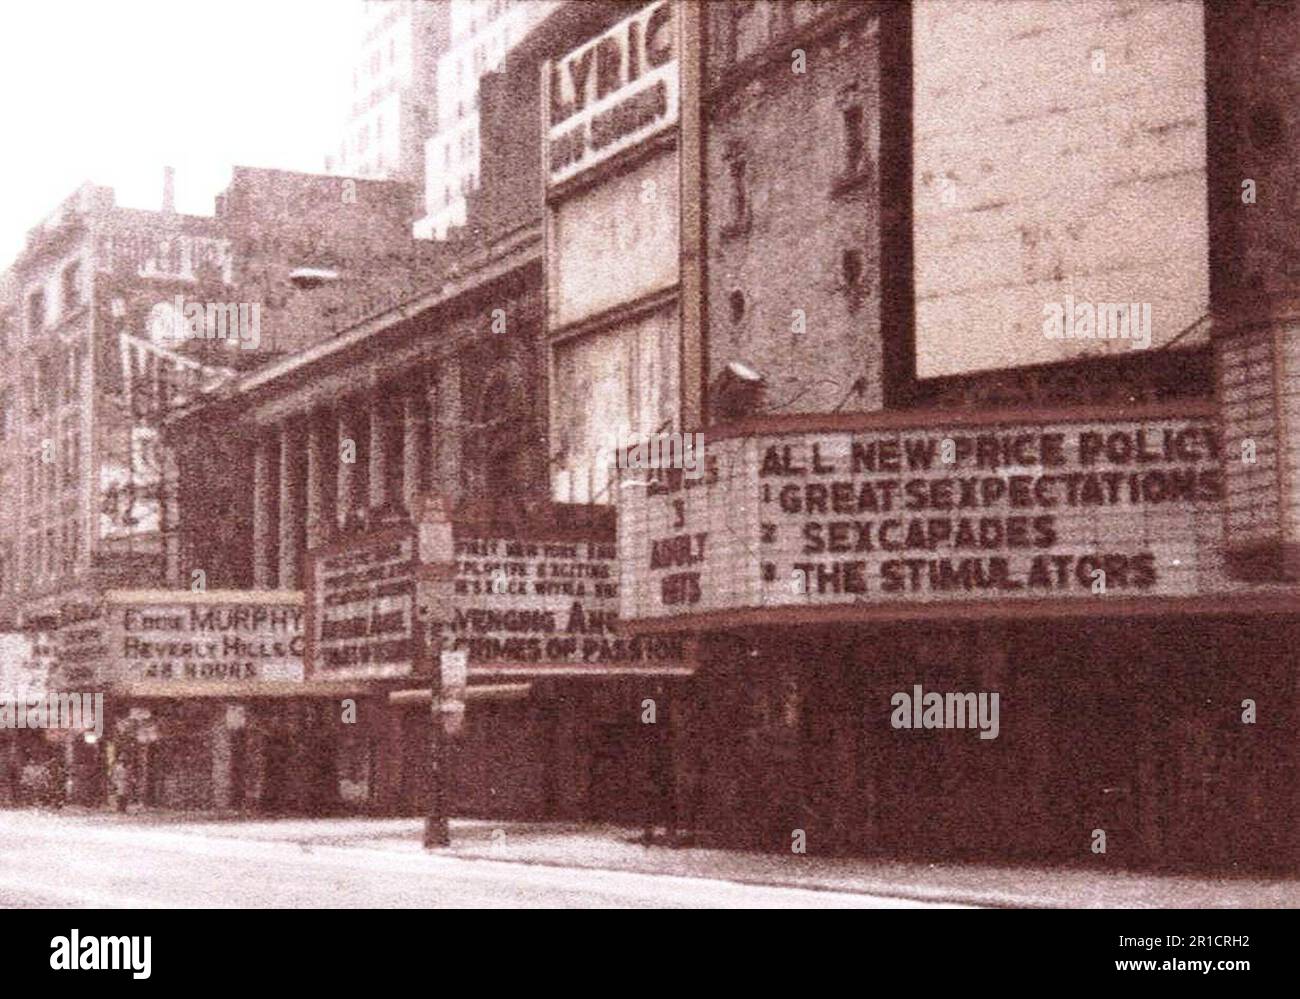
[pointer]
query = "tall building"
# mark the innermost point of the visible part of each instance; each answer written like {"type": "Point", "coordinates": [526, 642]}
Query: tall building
{"type": "Point", "coordinates": [80, 480]}
{"type": "Point", "coordinates": [393, 109]}
{"type": "Point", "coordinates": [482, 32]}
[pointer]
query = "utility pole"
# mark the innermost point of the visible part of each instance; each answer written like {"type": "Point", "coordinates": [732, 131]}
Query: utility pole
{"type": "Point", "coordinates": [450, 675]}
{"type": "Point", "coordinates": [435, 558]}
{"type": "Point", "coordinates": [436, 829]}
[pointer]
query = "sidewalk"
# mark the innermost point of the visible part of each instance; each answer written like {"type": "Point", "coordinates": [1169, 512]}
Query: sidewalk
{"type": "Point", "coordinates": [619, 849]}
{"type": "Point", "coordinates": [986, 885]}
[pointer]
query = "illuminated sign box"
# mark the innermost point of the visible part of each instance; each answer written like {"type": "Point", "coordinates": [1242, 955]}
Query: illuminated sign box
{"type": "Point", "coordinates": [537, 596]}
{"type": "Point", "coordinates": [362, 597]}
{"type": "Point", "coordinates": [612, 93]}
{"type": "Point", "coordinates": [1115, 216]}
{"type": "Point", "coordinates": [164, 638]}
{"type": "Point", "coordinates": [26, 661]}
{"type": "Point", "coordinates": [82, 655]}
{"type": "Point", "coordinates": [548, 601]}
{"type": "Point", "coordinates": [1078, 509]}
{"type": "Point", "coordinates": [610, 246]}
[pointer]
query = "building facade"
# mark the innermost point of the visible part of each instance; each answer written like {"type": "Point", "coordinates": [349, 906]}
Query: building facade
{"type": "Point", "coordinates": [444, 392]}
{"type": "Point", "coordinates": [1084, 557]}
{"type": "Point", "coordinates": [119, 316]}
{"type": "Point", "coordinates": [1125, 598]}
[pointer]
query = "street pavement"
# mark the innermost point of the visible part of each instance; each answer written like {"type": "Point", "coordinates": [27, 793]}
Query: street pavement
{"type": "Point", "coordinates": [85, 858]}
{"type": "Point", "coordinates": [52, 859]}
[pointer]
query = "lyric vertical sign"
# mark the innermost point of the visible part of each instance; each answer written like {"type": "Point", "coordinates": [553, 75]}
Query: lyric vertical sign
{"type": "Point", "coordinates": [612, 93]}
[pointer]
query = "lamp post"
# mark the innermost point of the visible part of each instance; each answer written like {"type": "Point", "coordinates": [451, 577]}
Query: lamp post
{"type": "Point", "coordinates": [448, 687]}
{"type": "Point", "coordinates": [435, 560]}
{"type": "Point", "coordinates": [436, 829]}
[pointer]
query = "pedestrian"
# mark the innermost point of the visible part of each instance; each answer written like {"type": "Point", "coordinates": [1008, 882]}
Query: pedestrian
{"type": "Point", "coordinates": [57, 788]}
{"type": "Point", "coordinates": [120, 779]}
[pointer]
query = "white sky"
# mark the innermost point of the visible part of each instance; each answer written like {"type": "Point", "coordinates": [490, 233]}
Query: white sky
{"type": "Point", "coordinates": [113, 90]}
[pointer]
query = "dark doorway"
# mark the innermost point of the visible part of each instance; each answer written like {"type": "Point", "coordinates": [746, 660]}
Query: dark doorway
{"type": "Point", "coordinates": [417, 749]}
{"type": "Point", "coordinates": [238, 761]}
{"type": "Point", "coordinates": [622, 787]}
{"type": "Point", "coordinates": [277, 790]}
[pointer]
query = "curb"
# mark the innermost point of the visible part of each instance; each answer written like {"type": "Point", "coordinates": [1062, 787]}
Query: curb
{"type": "Point", "coordinates": [985, 901]}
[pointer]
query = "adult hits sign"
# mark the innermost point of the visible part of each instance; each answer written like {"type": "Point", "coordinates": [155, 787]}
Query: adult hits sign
{"type": "Point", "coordinates": [1066, 509]}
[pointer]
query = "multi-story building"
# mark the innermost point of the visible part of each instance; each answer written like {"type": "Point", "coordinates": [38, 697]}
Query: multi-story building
{"type": "Point", "coordinates": [116, 316]}
{"type": "Point", "coordinates": [482, 33]}
{"type": "Point", "coordinates": [394, 87]}
{"type": "Point", "coordinates": [944, 471]}
{"type": "Point", "coordinates": [74, 489]}
{"type": "Point", "coordinates": [445, 392]}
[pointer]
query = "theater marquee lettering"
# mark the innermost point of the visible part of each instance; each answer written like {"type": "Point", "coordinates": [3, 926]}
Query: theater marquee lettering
{"type": "Point", "coordinates": [218, 642]}
{"type": "Point", "coordinates": [612, 93]}
{"type": "Point", "coordinates": [364, 610]}
{"type": "Point", "coordinates": [543, 602]}
{"type": "Point", "coordinates": [181, 257]}
{"type": "Point", "coordinates": [1080, 510]}
{"type": "Point", "coordinates": [82, 651]}
{"type": "Point", "coordinates": [511, 603]}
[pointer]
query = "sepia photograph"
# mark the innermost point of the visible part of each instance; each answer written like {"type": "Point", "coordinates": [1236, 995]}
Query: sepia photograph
{"type": "Point", "coordinates": [610, 454]}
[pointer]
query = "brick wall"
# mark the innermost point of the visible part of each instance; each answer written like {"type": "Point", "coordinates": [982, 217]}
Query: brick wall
{"type": "Point", "coordinates": [794, 228]}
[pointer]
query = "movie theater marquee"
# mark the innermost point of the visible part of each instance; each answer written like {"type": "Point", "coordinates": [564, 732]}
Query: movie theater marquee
{"type": "Point", "coordinates": [1080, 510]}
{"type": "Point", "coordinates": [612, 93]}
{"type": "Point", "coordinates": [167, 640]}
{"type": "Point", "coordinates": [513, 604]}
{"type": "Point", "coordinates": [521, 603]}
